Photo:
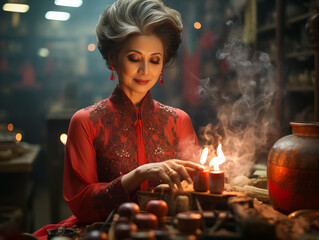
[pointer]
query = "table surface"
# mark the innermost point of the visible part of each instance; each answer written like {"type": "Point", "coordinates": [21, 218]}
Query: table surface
{"type": "Point", "coordinates": [23, 163]}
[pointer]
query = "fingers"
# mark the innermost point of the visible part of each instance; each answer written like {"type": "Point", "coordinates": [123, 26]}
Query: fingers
{"type": "Point", "coordinates": [174, 176]}
{"type": "Point", "coordinates": [184, 168]}
{"type": "Point", "coordinates": [195, 166]}
{"type": "Point", "coordinates": [171, 172]}
{"type": "Point", "coordinates": [171, 177]}
{"type": "Point", "coordinates": [164, 176]}
{"type": "Point", "coordinates": [181, 170]}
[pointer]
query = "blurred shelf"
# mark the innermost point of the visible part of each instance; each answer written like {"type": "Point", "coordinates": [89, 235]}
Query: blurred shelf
{"type": "Point", "coordinates": [300, 88]}
{"type": "Point", "coordinates": [299, 18]}
{"type": "Point", "coordinates": [272, 26]}
{"type": "Point", "coordinates": [266, 28]}
{"type": "Point", "coordinates": [305, 53]}
{"type": "Point", "coordinates": [294, 55]}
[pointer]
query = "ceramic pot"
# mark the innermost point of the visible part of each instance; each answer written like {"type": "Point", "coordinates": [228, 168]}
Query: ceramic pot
{"type": "Point", "coordinates": [293, 169]}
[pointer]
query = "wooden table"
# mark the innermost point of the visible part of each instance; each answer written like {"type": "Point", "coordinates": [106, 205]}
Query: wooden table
{"type": "Point", "coordinates": [16, 183]}
{"type": "Point", "coordinates": [23, 163]}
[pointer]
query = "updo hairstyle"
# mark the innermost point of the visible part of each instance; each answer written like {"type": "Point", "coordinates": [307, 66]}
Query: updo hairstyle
{"type": "Point", "coordinates": [126, 18]}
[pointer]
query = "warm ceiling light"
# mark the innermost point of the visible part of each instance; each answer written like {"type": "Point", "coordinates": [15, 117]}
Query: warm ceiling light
{"type": "Point", "coordinates": [15, 7]}
{"type": "Point", "coordinates": [59, 16]}
{"type": "Point", "coordinates": [68, 3]}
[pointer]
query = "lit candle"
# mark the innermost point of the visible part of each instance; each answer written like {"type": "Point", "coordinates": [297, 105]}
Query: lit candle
{"type": "Point", "coordinates": [216, 181]}
{"type": "Point", "coordinates": [201, 181]}
{"type": "Point", "coordinates": [216, 176]}
{"type": "Point", "coordinates": [201, 177]}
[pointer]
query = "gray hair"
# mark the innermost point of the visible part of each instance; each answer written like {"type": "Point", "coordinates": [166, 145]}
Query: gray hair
{"type": "Point", "coordinates": [126, 18]}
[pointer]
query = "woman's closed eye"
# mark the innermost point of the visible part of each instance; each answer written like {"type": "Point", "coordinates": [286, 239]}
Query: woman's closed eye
{"type": "Point", "coordinates": [134, 58]}
{"type": "Point", "coordinates": [155, 61]}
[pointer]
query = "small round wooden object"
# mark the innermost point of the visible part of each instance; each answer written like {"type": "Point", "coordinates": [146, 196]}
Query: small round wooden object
{"type": "Point", "coordinates": [189, 222]}
{"type": "Point", "coordinates": [96, 235]}
{"type": "Point", "coordinates": [159, 208]}
{"type": "Point", "coordinates": [129, 210]}
{"type": "Point", "coordinates": [146, 221]}
{"type": "Point", "coordinates": [123, 230]}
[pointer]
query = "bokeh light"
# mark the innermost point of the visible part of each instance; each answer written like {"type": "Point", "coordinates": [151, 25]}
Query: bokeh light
{"type": "Point", "coordinates": [43, 52]}
{"type": "Point", "coordinates": [69, 3]}
{"type": "Point", "coordinates": [197, 25]}
{"type": "Point", "coordinates": [91, 47]}
{"type": "Point", "coordinates": [63, 138]}
{"type": "Point", "coordinates": [57, 16]}
{"type": "Point", "coordinates": [18, 137]}
{"type": "Point", "coordinates": [10, 127]}
{"type": "Point", "coordinates": [15, 7]}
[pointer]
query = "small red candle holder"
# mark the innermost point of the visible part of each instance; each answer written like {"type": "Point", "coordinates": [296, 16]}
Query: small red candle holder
{"type": "Point", "coordinates": [216, 181]}
{"type": "Point", "coordinates": [201, 181]}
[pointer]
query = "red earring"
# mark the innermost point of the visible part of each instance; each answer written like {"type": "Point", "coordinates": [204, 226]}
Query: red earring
{"type": "Point", "coordinates": [112, 77]}
{"type": "Point", "coordinates": [160, 81]}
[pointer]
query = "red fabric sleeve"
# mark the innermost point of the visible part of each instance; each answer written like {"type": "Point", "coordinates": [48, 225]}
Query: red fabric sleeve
{"type": "Point", "coordinates": [89, 199]}
{"type": "Point", "coordinates": [188, 145]}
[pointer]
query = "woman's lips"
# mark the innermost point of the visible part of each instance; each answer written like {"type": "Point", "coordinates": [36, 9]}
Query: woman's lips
{"type": "Point", "coordinates": [141, 81]}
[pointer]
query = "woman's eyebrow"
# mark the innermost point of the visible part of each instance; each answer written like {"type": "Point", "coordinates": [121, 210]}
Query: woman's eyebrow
{"type": "Point", "coordinates": [133, 50]}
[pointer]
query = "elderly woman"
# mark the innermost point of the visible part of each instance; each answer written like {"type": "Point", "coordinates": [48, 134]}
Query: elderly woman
{"type": "Point", "coordinates": [128, 141]}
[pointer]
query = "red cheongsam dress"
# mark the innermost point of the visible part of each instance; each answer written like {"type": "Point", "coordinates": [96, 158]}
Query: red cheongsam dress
{"type": "Point", "coordinates": [108, 140]}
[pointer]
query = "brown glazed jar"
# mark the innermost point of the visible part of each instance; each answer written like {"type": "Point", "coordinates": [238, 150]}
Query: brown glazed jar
{"type": "Point", "coordinates": [293, 169]}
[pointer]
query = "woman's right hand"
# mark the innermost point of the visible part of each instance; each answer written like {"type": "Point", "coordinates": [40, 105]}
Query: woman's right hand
{"type": "Point", "coordinates": [171, 172]}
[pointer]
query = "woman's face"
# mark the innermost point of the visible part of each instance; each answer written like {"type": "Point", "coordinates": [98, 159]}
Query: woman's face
{"type": "Point", "coordinates": [139, 65]}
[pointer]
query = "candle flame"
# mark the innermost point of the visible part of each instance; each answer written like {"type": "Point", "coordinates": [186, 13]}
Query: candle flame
{"type": "Point", "coordinates": [203, 157]}
{"type": "Point", "coordinates": [216, 161]}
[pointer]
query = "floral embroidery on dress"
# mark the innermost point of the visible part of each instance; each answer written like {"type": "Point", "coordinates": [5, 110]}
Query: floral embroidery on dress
{"type": "Point", "coordinates": [116, 143]}
{"type": "Point", "coordinates": [98, 109]}
{"type": "Point", "coordinates": [159, 148]}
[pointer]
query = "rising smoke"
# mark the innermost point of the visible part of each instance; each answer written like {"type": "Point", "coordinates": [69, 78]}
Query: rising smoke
{"type": "Point", "coordinates": [243, 121]}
